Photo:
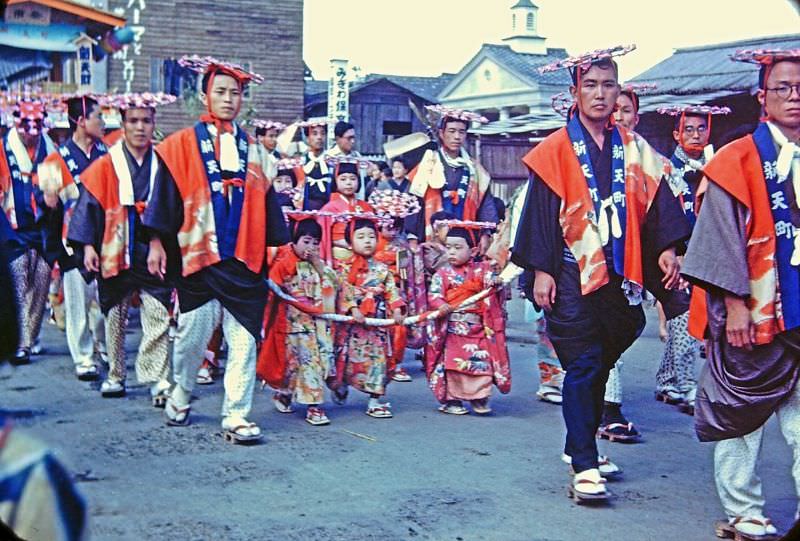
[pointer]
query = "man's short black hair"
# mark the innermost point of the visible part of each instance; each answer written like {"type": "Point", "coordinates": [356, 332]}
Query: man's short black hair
{"type": "Point", "coordinates": [261, 132]}
{"type": "Point", "coordinates": [77, 108]}
{"type": "Point", "coordinates": [341, 128]}
{"type": "Point", "coordinates": [307, 129]}
{"type": "Point", "coordinates": [122, 112]}
{"type": "Point", "coordinates": [308, 227]}
{"type": "Point", "coordinates": [449, 120]}
{"type": "Point", "coordinates": [605, 63]}
{"type": "Point", "coordinates": [207, 79]}
{"type": "Point", "coordinates": [401, 160]}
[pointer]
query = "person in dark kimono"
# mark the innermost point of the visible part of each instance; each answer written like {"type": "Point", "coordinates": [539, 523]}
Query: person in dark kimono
{"type": "Point", "coordinates": [675, 380]}
{"type": "Point", "coordinates": [213, 197]}
{"type": "Point", "coordinates": [599, 225]}
{"type": "Point", "coordinates": [614, 426]}
{"type": "Point", "coordinates": [9, 331]}
{"type": "Point", "coordinates": [107, 229]}
{"type": "Point", "coordinates": [318, 176]}
{"type": "Point", "coordinates": [59, 181]}
{"type": "Point", "coordinates": [23, 148]}
{"type": "Point", "coordinates": [745, 254]}
{"type": "Point", "coordinates": [447, 178]}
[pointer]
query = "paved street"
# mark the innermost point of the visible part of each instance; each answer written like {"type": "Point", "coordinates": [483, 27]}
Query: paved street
{"type": "Point", "coordinates": [419, 476]}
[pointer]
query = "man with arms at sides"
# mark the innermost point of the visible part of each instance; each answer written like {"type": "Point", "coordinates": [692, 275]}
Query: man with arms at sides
{"type": "Point", "coordinates": [214, 197]}
{"type": "Point", "coordinates": [59, 180]}
{"type": "Point", "coordinates": [745, 254]}
{"type": "Point", "coordinates": [599, 226]}
{"type": "Point", "coordinates": [23, 148]}
{"type": "Point", "coordinates": [107, 228]}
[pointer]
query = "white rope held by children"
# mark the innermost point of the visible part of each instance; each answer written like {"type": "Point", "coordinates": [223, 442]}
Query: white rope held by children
{"type": "Point", "coordinates": [509, 273]}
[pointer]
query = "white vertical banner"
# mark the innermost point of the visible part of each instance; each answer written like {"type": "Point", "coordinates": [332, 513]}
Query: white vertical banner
{"type": "Point", "coordinates": [338, 96]}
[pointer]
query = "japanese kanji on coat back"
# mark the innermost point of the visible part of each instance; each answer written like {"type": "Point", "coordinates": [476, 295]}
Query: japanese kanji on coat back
{"type": "Point", "coordinates": [197, 237]}
{"type": "Point", "coordinates": [738, 169]}
{"type": "Point", "coordinates": [555, 163]}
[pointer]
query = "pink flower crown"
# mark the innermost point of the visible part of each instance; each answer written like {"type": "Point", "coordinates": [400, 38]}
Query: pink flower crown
{"type": "Point", "coordinates": [204, 64]}
{"type": "Point", "coordinates": [443, 111]}
{"type": "Point", "coordinates": [587, 59]}
{"type": "Point", "coordinates": [288, 163]}
{"type": "Point", "coordinates": [764, 56]}
{"type": "Point", "coordinates": [677, 110]}
{"type": "Point", "coordinates": [267, 124]}
{"type": "Point", "coordinates": [639, 88]}
{"type": "Point", "coordinates": [312, 122]}
{"type": "Point", "coordinates": [143, 100]}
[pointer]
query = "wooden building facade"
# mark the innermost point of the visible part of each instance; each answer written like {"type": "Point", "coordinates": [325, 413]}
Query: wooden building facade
{"type": "Point", "coordinates": [263, 35]}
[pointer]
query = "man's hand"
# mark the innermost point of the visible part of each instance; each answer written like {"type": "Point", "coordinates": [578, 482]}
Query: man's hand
{"type": "Point", "coordinates": [50, 199]}
{"type": "Point", "coordinates": [398, 316]}
{"type": "Point", "coordinates": [90, 258]}
{"type": "Point", "coordinates": [157, 258]}
{"type": "Point", "coordinates": [739, 327]}
{"type": "Point", "coordinates": [670, 266]}
{"type": "Point", "coordinates": [544, 290]}
{"type": "Point", "coordinates": [358, 317]}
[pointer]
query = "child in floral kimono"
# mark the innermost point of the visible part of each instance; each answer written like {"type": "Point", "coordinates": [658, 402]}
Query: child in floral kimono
{"type": "Point", "coordinates": [393, 252]}
{"type": "Point", "coordinates": [364, 353]}
{"type": "Point", "coordinates": [468, 343]}
{"type": "Point", "coordinates": [297, 355]}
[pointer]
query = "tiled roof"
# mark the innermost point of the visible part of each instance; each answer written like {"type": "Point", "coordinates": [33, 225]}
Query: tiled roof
{"type": "Point", "coordinates": [526, 64]}
{"type": "Point", "coordinates": [701, 73]}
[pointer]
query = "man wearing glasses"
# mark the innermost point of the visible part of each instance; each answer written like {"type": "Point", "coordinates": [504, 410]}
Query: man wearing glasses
{"type": "Point", "coordinates": [745, 253]}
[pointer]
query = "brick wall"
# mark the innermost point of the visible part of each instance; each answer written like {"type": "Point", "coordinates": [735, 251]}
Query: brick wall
{"type": "Point", "coordinates": [267, 34]}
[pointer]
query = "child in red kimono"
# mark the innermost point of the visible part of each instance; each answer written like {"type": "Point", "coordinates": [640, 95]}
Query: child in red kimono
{"type": "Point", "coordinates": [297, 354]}
{"type": "Point", "coordinates": [468, 343]}
{"type": "Point", "coordinates": [393, 252]}
{"type": "Point", "coordinates": [367, 289]}
{"type": "Point", "coordinates": [335, 248]}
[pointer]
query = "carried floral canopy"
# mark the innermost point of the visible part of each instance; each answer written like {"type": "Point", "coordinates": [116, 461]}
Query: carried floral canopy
{"type": "Point", "coordinates": [394, 203]}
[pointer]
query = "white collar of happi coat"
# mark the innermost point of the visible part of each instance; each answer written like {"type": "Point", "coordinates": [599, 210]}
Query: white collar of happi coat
{"type": "Point", "coordinates": [17, 147]}
{"type": "Point", "coordinates": [123, 172]}
{"type": "Point", "coordinates": [462, 160]}
{"type": "Point", "coordinates": [788, 157]}
{"type": "Point", "coordinates": [228, 152]}
{"type": "Point", "coordinates": [312, 160]}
